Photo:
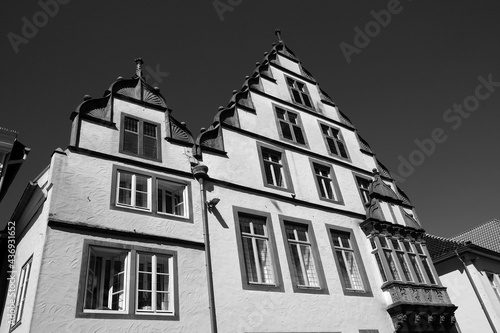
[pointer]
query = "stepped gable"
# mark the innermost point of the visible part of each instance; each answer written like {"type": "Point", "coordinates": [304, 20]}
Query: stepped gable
{"type": "Point", "coordinates": [137, 90]}
{"type": "Point", "coordinates": [212, 137]}
{"type": "Point", "coordinates": [486, 235]}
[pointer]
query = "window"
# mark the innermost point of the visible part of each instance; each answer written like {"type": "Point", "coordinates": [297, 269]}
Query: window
{"type": "Point", "coordinates": [21, 293]}
{"type": "Point", "coordinates": [134, 190]}
{"type": "Point", "coordinates": [346, 261]}
{"type": "Point", "coordinates": [258, 260]}
{"type": "Point", "coordinates": [274, 168]}
{"type": "Point", "coordinates": [150, 194]}
{"type": "Point", "coordinates": [398, 261]}
{"type": "Point", "coordinates": [154, 276]}
{"type": "Point", "coordinates": [122, 281]}
{"type": "Point", "coordinates": [171, 197]}
{"type": "Point", "coordinates": [106, 280]}
{"type": "Point", "coordinates": [140, 138]}
{"type": "Point", "coordinates": [289, 125]}
{"type": "Point", "coordinates": [299, 92]}
{"type": "Point", "coordinates": [364, 189]}
{"type": "Point", "coordinates": [301, 254]}
{"type": "Point", "coordinates": [334, 141]}
{"type": "Point", "coordinates": [303, 257]}
{"type": "Point", "coordinates": [326, 183]}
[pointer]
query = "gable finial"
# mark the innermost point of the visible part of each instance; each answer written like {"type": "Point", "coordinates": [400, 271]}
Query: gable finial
{"type": "Point", "coordinates": [138, 68]}
{"type": "Point", "coordinates": [278, 33]}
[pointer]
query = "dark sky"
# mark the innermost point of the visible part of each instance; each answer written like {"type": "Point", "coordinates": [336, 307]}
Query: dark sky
{"type": "Point", "coordinates": [399, 86]}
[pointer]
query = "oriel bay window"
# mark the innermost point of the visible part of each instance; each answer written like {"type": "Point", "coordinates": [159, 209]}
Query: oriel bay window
{"type": "Point", "coordinates": [150, 194]}
{"type": "Point", "coordinates": [258, 258]}
{"type": "Point", "coordinates": [139, 137]}
{"type": "Point", "coordinates": [401, 260]}
{"type": "Point", "coordinates": [122, 281]}
{"type": "Point", "coordinates": [303, 257]}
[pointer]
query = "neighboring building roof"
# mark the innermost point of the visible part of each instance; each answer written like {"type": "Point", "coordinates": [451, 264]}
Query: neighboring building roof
{"type": "Point", "coordinates": [439, 246]}
{"type": "Point", "coordinates": [486, 235]}
{"type": "Point", "coordinates": [15, 154]}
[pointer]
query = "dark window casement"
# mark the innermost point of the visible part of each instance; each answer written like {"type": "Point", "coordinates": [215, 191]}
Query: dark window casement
{"type": "Point", "coordinates": [259, 264]}
{"type": "Point", "coordinates": [274, 168]}
{"type": "Point", "coordinates": [22, 287]}
{"type": "Point", "coordinates": [290, 126]}
{"type": "Point", "coordinates": [299, 92]}
{"type": "Point", "coordinates": [126, 281]}
{"type": "Point", "coordinates": [304, 263]}
{"type": "Point", "coordinates": [326, 182]}
{"type": "Point", "coordinates": [401, 260]}
{"type": "Point", "coordinates": [349, 264]}
{"type": "Point", "coordinates": [334, 141]}
{"type": "Point", "coordinates": [140, 138]}
{"type": "Point", "coordinates": [150, 194]}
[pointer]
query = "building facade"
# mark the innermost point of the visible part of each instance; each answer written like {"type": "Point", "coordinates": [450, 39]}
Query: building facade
{"type": "Point", "coordinates": [277, 218]}
{"type": "Point", "coordinates": [470, 262]}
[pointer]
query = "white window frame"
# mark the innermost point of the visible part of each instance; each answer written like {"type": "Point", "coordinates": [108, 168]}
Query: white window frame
{"type": "Point", "coordinates": [154, 288]}
{"type": "Point", "coordinates": [183, 202]}
{"type": "Point", "coordinates": [133, 189]}
{"type": "Point", "coordinates": [126, 280]}
{"type": "Point", "coordinates": [21, 292]}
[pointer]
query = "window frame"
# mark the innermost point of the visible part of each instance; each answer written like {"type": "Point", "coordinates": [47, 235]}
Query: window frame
{"type": "Point", "coordinates": [299, 124]}
{"type": "Point", "coordinates": [278, 278]}
{"type": "Point", "coordinates": [367, 292]}
{"type": "Point", "coordinates": [21, 292]}
{"type": "Point", "coordinates": [361, 189]}
{"type": "Point", "coordinates": [153, 196]}
{"type": "Point", "coordinates": [341, 138]}
{"type": "Point", "coordinates": [131, 283]}
{"type": "Point", "coordinates": [306, 92]}
{"type": "Point", "coordinates": [323, 287]}
{"type": "Point", "coordinates": [140, 137]}
{"type": "Point", "coordinates": [284, 167]}
{"type": "Point", "coordinates": [332, 177]}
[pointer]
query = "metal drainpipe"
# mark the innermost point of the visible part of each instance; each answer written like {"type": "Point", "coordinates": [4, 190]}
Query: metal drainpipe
{"type": "Point", "coordinates": [200, 172]}
{"type": "Point", "coordinates": [477, 293]}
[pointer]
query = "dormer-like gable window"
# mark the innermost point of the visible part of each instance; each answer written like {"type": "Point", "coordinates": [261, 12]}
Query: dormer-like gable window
{"type": "Point", "coordinates": [140, 138]}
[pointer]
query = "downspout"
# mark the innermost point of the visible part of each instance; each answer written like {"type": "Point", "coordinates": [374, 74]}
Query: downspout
{"type": "Point", "coordinates": [477, 293]}
{"type": "Point", "coordinates": [200, 172]}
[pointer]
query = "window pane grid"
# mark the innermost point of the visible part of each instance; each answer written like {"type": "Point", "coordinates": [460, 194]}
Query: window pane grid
{"type": "Point", "coordinates": [303, 268]}
{"type": "Point", "coordinates": [140, 138]}
{"type": "Point", "coordinates": [273, 167]}
{"type": "Point", "coordinates": [134, 190]}
{"type": "Point", "coordinates": [334, 141]}
{"type": "Point", "coordinates": [325, 182]}
{"type": "Point", "coordinates": [347, 261]}
{"type": "Point", "coordinates": [256, 250]}
{"type": "Point", "coordinates": [299, 92]}
{"type": "Point", "coordinates": [290, 126]}
{"type": "Point", "coordinates": [154, 283]}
